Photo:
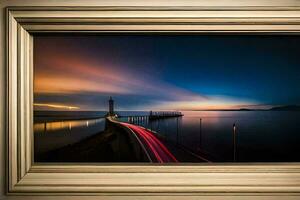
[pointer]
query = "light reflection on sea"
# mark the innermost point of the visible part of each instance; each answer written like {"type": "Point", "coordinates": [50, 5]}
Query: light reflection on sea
{"type": "Point", "coordinates": [261, 136]}
{"type": "Point", "coordinates": [52, 135]}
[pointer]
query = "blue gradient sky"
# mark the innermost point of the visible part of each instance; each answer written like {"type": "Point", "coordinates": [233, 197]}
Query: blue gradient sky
{"type": "Point", "coordinates": [161, 72]}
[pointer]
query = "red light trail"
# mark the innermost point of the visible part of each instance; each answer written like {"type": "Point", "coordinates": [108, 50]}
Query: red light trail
{"type": "Point", "coordinates": [156, 147]}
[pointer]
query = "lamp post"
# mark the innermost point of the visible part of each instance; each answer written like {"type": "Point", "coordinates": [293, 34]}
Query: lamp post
{"type": "Point", "coordinates": [234, 142]}
{"type": "Point", "coordinates": [177, 132]}
{"type": "Point", "coordinates": [200, 133]}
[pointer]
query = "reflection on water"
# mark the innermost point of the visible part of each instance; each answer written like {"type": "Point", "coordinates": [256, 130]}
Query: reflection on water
{"type": "Point", "coordinates": [261, 136]}
{"type": "Point", "coordinates": [51, 135]}
{"type": "Point", "coordinates": [68, 124]}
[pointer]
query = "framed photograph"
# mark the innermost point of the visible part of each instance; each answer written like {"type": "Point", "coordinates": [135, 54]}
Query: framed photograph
{"type": "Point", "coordinates": [162, 98]}
{"type": "Point", "coordinates": [153, 100]}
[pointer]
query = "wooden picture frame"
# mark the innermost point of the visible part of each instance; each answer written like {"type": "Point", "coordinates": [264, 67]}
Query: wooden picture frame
{"type": "Point", "coordinates": [25, 177]}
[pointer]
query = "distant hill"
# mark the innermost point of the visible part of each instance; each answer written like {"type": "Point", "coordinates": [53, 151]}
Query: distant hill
{"type": "Point", "coordinates": [245, 109]}
{"type": "Point", "coordinates": [277, 108]}
{"type": "Point", "coordinates": [286, 108]}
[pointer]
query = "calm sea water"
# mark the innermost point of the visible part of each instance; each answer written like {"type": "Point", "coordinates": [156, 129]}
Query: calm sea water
{"type": "Point", "coordinates": [261, 136]}
{"type": "Point", "coordinates": [50, 135]}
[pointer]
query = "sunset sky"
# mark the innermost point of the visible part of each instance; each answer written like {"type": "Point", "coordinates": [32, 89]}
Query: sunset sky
{"type": "Point", "coordinates": [160, 72]}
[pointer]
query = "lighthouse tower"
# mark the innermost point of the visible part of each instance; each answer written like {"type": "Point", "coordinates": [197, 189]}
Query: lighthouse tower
{"type": "Point", "coordinates": [111, 106]}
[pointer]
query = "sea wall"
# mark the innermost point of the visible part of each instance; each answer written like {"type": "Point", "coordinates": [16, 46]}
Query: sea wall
{"type": "Point", "coordinates": [133, 141]}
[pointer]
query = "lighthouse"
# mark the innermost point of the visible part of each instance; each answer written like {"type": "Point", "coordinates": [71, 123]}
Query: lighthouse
{"type": "Point", "coordinates": [111, 106]}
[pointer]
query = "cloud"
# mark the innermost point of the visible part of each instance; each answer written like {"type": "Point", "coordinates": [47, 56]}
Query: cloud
{"type": "Point", "coordinates": [68, 71]}
{"type": "Point", "coordinates": [73, 74]}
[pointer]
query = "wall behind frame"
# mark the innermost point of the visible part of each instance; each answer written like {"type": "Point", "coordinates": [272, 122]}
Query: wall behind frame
{"type": "Point", "coordinates": [5, 3]}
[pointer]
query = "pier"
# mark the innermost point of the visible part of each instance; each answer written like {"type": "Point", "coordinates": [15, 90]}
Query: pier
{"type": "Point", "coordinates": [148, 144]}
{"type": "Point", "coordinates": [152, 116]}
{"type": "Point", "coordinates": [162, 115]}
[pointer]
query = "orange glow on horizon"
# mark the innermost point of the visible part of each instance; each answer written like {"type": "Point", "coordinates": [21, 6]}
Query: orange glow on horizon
{"type": "Point", "coordinates": [56, 106]}
{"type": "Point", "coordinates": [212, 104]}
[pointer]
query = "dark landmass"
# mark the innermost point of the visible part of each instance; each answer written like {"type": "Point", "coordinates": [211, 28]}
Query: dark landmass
{"type": "Point", "coordinates": [277, 108]}
{"type": "Point", "coordinates": [245, 109]}
{"type": "Point", "coordinates": [107, 146]}
{"type": "Point", "coordinates": [286, 108]}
